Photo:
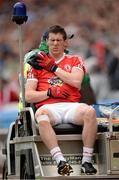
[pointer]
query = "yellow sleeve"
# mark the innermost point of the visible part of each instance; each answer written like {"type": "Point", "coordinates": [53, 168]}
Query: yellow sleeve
{"type": "Point", "coordinates": [26, 69]}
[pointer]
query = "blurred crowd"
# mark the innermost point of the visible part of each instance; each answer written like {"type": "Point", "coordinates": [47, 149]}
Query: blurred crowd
{"type": "Point", "coordinates": [96, 38]}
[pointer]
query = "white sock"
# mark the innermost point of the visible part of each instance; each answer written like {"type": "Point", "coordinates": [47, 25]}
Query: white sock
{"type": "Point", "coordinates": [87, 154]}
{"type": "Point", "coordinates": [57, 154]}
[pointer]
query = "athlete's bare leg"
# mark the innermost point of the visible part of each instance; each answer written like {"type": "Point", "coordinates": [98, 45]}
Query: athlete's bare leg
{"type": "Point", "coordinates": [86, 116]}
{"type": "Point", "coordinates": [46, 131]}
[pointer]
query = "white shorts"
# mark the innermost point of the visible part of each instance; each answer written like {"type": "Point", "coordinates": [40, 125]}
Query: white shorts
{"type": "Point", "coordinates": [62, 112]}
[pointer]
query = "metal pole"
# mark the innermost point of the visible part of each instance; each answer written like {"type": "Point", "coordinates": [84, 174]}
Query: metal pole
{"type": "Point", "coordinates": [22, 76]}
{"type": "Point", "coordinates": [20, 16]}
{"type": "Point", "coordinates": [21, 65]}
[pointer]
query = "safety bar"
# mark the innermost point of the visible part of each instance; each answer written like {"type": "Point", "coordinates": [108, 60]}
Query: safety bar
{"type": "Point", "coordinates": [111, 122]}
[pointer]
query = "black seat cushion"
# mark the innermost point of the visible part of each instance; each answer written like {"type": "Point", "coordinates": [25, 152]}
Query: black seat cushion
{"type": "Point", "coordinates": [74, 129]}
{"type": "Point", "coordinates": [67, 129]}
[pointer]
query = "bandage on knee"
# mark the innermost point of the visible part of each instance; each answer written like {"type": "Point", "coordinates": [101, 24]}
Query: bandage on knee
{"type": "Point", "coordinates": [42, 118]}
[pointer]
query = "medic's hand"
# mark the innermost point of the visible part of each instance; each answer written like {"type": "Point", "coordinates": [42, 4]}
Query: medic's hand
{"type": "Point", "coordinates": [46, 61]}
{"type": "Point", "coordinates": [58, 91]}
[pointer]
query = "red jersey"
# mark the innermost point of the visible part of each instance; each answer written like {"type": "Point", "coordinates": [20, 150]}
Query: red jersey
{"type": "Point", "coordinates": [46, 79]}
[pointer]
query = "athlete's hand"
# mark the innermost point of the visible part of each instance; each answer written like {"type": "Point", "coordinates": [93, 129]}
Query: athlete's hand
{"type": "Point", "coordinates": [46, 61]}
{"type": "Point", "coordinates": [58, 91]}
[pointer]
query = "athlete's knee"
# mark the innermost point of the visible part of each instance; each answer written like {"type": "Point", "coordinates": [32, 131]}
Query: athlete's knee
{"type": "Point", "coordinates": [42, 115]}
{"type": "Point", "coordinates": [90, 115]}
{"type": "Point", "coordinates": [91, 111]}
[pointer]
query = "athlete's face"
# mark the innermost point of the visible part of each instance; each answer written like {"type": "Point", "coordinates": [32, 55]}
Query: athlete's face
{"type": "Point", "coordinates": [56, 44]}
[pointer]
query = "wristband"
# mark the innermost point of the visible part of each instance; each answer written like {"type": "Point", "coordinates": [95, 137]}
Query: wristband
{"type": "Point", "coordinates": [49, 92]}
{"type": "Point", "coordinates": [54, 68]}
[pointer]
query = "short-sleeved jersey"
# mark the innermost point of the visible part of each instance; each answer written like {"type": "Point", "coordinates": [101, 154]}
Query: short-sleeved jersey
{"type": "Point", "coordinates": [46, 79]}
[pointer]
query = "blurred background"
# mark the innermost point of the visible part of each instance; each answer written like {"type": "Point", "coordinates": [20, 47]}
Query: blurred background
{"type": "Point", "coordinates": [95, 25]}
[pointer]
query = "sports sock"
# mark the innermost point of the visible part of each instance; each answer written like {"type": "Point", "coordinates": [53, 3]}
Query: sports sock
{"type": "Point", "coordinates": [87, 154]}
{"type": "Point", "coordinates": [57, 154]}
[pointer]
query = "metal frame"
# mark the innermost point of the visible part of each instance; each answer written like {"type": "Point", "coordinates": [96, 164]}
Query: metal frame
{"type": "Point", "coordinates": [34, 142]}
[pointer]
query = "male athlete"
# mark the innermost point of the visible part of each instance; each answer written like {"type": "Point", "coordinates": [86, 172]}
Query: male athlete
{"type": "Point", "coordinates": [54, 88]}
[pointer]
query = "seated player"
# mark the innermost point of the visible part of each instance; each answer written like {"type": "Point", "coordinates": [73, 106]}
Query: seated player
{"type": "Point", "coordinates": [54, 88]}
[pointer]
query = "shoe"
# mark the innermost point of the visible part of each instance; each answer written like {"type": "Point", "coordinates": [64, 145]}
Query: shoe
{"type": "Point", "coordinates": [87, 168]}
{"type": "Point", "coordinates": [64, 168]}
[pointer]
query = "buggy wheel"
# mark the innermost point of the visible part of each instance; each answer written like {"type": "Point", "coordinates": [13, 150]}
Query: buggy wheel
{"type": "Point", "coordinates": [5, 171]}
{"type": "Point", "coordinates": [27, 168]}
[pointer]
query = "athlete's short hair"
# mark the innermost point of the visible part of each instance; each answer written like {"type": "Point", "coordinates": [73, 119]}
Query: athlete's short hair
{"type": "Point", "coordinates": [57, 29]}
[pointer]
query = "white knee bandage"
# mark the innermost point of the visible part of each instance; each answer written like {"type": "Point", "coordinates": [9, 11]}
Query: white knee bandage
{"type": "Point", "coordinates": [42, 118]}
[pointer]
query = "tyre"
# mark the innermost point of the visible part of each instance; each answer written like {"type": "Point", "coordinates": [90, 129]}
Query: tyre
{"type": "Point", "coordinates": [27, 167]}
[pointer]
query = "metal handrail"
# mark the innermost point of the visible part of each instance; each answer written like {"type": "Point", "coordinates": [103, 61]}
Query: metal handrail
{"type": "Point", "coordinates": [111, 118]}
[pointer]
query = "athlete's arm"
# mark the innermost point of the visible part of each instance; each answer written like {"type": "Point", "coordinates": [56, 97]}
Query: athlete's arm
{"type": "Point", "coordinates": [74, 78]}
{"type": "Point", "coordinates": [32, 95]}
